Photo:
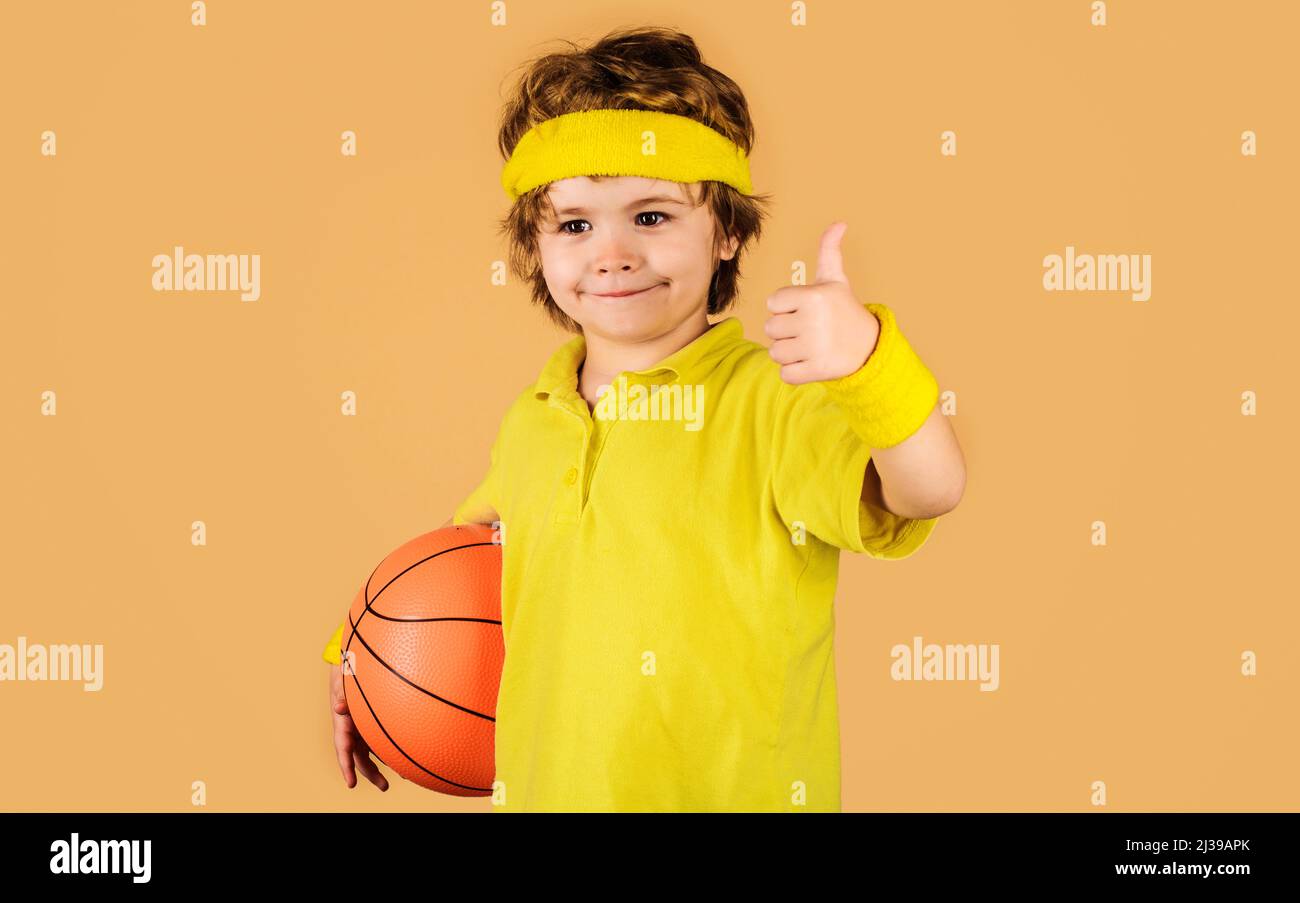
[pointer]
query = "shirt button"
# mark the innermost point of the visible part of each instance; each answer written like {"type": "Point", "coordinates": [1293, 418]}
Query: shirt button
{"type": "Point", "coordinates": [571, 475]}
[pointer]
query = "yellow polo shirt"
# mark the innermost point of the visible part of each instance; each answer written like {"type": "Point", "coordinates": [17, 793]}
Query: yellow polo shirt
{"type": "Point", "coordinates": [669, 569]}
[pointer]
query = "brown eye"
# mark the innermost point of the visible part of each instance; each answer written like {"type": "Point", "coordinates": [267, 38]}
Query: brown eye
{"type": "Point", "coordinates": [665, 216]}
{"type": "Point", "coordinates": [564, 227]}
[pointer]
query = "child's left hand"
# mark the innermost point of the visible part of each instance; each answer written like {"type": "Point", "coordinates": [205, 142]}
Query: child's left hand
{"type": "Point", "coordinates": [821, 331]}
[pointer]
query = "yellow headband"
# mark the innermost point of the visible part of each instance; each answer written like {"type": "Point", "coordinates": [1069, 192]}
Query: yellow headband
{"type": "Point", "coordinates": [624, 143]}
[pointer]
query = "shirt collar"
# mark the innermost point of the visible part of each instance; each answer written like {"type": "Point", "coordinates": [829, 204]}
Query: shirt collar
{"type": "Point", "coordinates": [687, 364]}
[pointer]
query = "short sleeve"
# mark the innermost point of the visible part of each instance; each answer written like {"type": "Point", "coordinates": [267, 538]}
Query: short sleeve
{"type": "Point", "coordinates": [483, 504]}
{"type": "Point", "coordinates": [818, 465]}
{"type": "Point", "coordinates": [333, 654]}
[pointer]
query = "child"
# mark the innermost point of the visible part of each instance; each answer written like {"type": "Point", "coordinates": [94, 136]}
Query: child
{"type": "Point", "coordinates": [671, 544]}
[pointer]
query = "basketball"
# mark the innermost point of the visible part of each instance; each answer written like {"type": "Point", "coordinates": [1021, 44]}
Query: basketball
{"type": "Point", "coordinates": [422, 655]}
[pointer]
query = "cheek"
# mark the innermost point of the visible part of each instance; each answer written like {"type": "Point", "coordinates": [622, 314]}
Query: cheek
{"type": "Point", "coordinates": [689, 271]}
{"type": "Point", "coordinates": [679, 263]}
{"type": "Point", "coordinates": [559, 270]}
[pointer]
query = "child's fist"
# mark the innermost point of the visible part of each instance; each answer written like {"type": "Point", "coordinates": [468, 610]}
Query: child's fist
{"type": "Point", "coordinates": [821, 331]}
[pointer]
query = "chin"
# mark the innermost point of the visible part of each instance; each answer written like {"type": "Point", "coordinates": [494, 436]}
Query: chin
{"type": "Point", "coordinates": [623, 326]}
{"type": "Point", "coordinates": [619, 316]}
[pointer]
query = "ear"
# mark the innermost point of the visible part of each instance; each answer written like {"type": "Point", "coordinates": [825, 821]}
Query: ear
{"type": "Point", "coordinates": [729, 248]}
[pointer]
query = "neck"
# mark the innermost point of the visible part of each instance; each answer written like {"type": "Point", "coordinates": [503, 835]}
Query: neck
{"type": "Point", "coordinates": [606, 358]}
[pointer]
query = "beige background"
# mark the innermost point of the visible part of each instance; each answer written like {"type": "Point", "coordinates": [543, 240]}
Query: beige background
{"type": "Point", "coordinates": [1118, 663]}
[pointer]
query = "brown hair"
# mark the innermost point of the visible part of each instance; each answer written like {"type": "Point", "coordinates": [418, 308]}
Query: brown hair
{"type": "Point", "coordinates": [641, 68]}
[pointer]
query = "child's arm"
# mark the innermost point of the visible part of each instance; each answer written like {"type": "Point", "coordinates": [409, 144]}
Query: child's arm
{"type": "Point", "coordinates": [926, 471]}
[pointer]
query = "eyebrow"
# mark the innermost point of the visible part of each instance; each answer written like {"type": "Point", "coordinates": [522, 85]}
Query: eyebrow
{"type": "Point", "coordinates": [656, 199]}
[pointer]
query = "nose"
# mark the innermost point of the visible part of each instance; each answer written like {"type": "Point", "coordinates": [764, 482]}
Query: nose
{"type": "Point", "coordinates": [614, 253]}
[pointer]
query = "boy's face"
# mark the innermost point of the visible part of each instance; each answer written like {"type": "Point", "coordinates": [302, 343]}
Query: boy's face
{"type": "Point", "coordinates": [610, 238]}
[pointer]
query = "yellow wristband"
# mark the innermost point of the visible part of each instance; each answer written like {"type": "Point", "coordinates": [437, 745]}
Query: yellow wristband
{"type": "Point", "coordinates": [892, 394]}
{"type": "Point", "coordinates": [333, 654]}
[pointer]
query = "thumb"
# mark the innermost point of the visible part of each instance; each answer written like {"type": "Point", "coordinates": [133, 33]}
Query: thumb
{"type": "Point", "coordinates": [830, 261]}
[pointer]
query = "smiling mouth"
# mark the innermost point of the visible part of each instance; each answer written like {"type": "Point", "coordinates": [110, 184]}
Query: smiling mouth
{"type": "Point", "coordinates": [630, 295]}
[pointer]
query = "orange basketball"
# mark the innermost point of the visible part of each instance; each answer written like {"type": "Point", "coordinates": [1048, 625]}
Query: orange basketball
{"type": "Point", "coordinates": [422, 659]}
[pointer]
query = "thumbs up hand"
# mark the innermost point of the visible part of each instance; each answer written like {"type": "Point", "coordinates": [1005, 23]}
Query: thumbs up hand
{"type": "Point", "coordinates": [821, 331]}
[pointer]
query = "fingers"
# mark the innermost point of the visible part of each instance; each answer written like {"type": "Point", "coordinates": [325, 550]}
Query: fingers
{"type": "Point", "coordinates": [788, 351]}
{"type": "Point", "coordinates": [354, 754]}
{"type": "Point", "coordinates": [338, 698]}
{"type": "Point", "coordinates": [369, 768]}
{"type": "Point", "coordinates": [343, 747]}
{"type": "Point", "coordinates": [784, 300]}
{"type": "Point", "coordinates": [830, 259]}
{"type": "Point", "coordinates": [349, 745]}
{"type": "Point", "coordinates": [798, 373]}
{"type": "Point", "coordinates": [782, 326]}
